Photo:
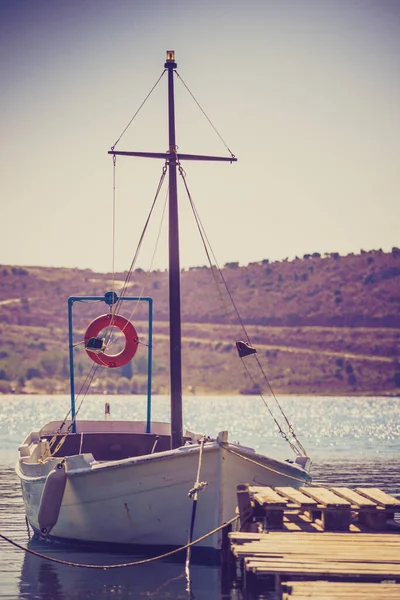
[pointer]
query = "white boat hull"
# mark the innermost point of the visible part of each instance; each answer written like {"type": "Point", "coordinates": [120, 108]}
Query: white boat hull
{"type": "Point", "coordinates": [144, 500]}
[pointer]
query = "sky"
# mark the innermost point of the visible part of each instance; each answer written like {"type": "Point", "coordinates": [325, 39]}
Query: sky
{"type": "Point", "coordinates": [305, 93]}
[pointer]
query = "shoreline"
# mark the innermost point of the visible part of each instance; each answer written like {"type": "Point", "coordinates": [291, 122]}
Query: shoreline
{"type": "Point", "coordinates": [202, 394]}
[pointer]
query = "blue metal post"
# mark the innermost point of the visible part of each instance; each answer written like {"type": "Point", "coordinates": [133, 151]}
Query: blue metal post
{"type": "Point", "coordinates": [71, 362]}
{"type": "Point", "coordinates": [110, 299]}
{"type": "Point", "coordinates": [149, 364]}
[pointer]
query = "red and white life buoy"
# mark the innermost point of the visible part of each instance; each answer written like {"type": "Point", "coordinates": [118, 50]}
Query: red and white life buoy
{"type": "Point", "coordinates": [131, 340]}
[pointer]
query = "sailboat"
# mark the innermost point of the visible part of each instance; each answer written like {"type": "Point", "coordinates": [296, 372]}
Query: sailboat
{"type": "Point", "coordinates": [142, 483]}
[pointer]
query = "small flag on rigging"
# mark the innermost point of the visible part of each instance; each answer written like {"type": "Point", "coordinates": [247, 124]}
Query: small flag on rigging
{"type": "Point", "coordinates": [245, 349]}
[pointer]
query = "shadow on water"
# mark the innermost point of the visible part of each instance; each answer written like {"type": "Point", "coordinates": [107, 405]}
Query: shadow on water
{"type": "Point", "coordinates": [52, 581]}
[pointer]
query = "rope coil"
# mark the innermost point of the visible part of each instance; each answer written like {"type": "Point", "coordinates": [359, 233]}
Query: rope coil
{"type": "Point", "coordinates": [197, 488]}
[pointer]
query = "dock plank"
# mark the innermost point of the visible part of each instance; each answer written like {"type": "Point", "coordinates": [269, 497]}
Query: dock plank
{"type": "Point", "coordinates": [321, 568]}
{"type": "Point", "coordinates": [390, 553]}
{"type": "Point", "coordinates": [325, 497]}
{"type": "Point", "coordinates": [297, 497]}
{"type": "Point", "coordinates": [353, 497]}
{"type": "Point", "coordinates": [382, 498]}
{"type": "Point", "coordinates": [267, 496]}
{"type": "Point", "coordinates": [334, 590]}
{"type": "Point", "coordinates": [323, 536]}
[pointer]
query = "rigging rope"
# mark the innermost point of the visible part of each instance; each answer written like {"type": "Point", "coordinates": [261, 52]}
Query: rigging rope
{"type": "Point", "coordinates": [114, 309]}
{"type": "Point", "coordinates": [138, 110]}
{"type": "Point", "coordinates": [84, 390]}
{"type": "Point", "coordinates": [297, 447]}
{"type": "Point", "coordinates": [208, 119]}
{"type": "Point", "coordinates": [153, 255]}
{"type": "Point", "coordinates": [248, 459]}
{"type": "Point", "coordinates": [129, 274]}
{"type": "Point", "coordinates": [113, 221]}
{"type": "Point", "coordinates": [111, 337]}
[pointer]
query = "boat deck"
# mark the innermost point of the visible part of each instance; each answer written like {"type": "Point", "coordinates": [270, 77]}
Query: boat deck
{"type": "Point", "coordinates": [110, 446]}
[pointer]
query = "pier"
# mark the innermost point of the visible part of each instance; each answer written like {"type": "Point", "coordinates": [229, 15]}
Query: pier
{"type": "Point", "coordinates": [320, 542]}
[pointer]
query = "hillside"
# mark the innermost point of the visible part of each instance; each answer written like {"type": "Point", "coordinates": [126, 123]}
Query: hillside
{"type": "Point", "coordinates": [326, 325]}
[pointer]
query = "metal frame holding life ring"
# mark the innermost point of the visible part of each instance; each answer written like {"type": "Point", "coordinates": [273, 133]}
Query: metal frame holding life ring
{"type": "Point", "coordinates": [131, 340]}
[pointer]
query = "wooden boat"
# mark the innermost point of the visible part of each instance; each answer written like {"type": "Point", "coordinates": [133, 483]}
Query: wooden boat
{"type": "Point", "coordinates": [127, 482]}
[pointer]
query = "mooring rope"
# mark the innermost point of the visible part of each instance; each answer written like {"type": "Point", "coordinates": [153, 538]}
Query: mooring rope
{"type": "Point", "coordinates": [120, 565]}
{"type": "Point", "coordinates": [194, 495]}
{"type": "Point", "coordinates": [246, 458]}
{"type": "Point", "coordinates": [194, 491]}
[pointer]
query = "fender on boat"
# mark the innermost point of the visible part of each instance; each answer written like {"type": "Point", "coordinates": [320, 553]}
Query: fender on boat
{"type": "Point", "coordinates": [52, 495]}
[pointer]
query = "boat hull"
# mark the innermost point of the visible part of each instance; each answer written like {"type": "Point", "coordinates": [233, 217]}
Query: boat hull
{"type": "Point", "coordinates": [143, 501]}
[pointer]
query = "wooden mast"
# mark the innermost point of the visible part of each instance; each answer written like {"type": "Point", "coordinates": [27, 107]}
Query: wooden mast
{"type": "Point", "coordinates": [174, 269]}
{"type": "Point", "coordinates": [173, 157]}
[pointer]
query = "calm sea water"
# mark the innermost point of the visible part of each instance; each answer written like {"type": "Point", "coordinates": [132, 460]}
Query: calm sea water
{"type": "Point", "coordinates": [352, 441]}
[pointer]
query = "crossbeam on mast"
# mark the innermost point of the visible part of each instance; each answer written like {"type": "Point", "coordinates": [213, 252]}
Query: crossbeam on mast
{"type": "Point", "coordinates": [178, 156]}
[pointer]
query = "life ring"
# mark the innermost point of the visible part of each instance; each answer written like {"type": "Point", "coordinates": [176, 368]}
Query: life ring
{"type": "Point", "coordinates": [131, 340]}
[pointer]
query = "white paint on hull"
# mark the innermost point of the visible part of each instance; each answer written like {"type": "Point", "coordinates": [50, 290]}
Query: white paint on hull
{"type": "Point", "coordinates": [144, 500]}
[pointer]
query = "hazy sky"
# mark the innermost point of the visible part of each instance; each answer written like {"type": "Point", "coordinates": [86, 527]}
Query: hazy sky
{"type": "Point", "coordinates": [306, 93]}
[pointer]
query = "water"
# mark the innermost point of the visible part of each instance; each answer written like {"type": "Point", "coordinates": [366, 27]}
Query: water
{"type": "Point", "coordinates": [353, 441]}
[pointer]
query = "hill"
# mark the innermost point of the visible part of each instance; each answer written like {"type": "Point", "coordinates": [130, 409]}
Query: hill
{"type": "Point", "coordinates": [321, 324]}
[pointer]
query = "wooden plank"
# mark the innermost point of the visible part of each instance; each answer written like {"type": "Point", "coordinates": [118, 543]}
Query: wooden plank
{"type": "Point", "coordinates": [343, 551]}
{"type": "Point", "coordinates": [325, 497]}
{"type": "Point", "coordinates": [353, 552]}
{"type": "Point", "coordinates": [314, 557]}
{"type": "Point", "coordinates": [321, 568]}
{"type": "Point", "coordinates": [318, 538]}
{"type": "Point", "coordinates": [311, 559]}
{"type": "Point", "coordinates": [322, 546]}
{"type": "Point", "coordinates": [338, 590]}
{"type": "Point", "coordinates": [297, 497]}
{"type": "Point", "coordinates": [380, 497]}
{"type": "Point", "coordinates": [269, 506]}
{"type": "Point", "coordinates": [267, 496]}
{"type": "Point", "coordinates": [353, 497]}
{"type": "Point", "coordinates": [323, 537]}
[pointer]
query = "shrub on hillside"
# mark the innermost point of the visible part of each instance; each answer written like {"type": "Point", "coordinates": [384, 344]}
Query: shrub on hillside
{"type": "Point", "coordinates": [5, 387]}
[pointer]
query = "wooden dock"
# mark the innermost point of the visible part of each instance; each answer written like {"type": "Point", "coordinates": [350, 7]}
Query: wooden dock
{"type": "Point", "coordinates": [289, 540]}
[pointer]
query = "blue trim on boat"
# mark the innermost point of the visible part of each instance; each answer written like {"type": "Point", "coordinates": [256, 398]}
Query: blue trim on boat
{"type": "Point", "coordinates": [111, 298]}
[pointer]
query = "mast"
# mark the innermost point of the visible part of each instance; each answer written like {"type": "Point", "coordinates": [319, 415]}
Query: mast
{"type": "Point", "coordinates": [174, 268]}
{"type": "Point", "coordinates": [173, 157]}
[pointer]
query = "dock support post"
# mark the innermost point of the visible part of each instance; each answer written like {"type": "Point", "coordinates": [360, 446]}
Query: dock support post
{"type": "Point", "coordinates": [228, 562]}
{"type": "Point", "coordinates": [245, 506]}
